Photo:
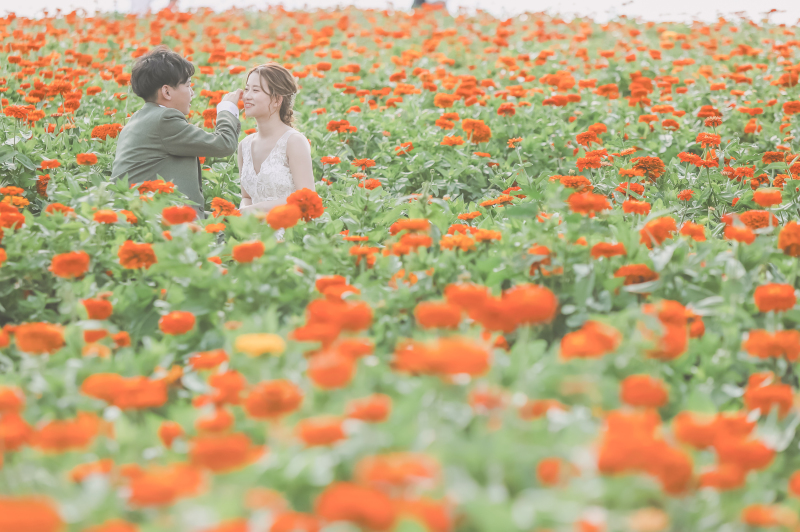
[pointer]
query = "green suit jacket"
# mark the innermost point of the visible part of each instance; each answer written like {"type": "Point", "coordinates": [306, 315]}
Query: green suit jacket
{"type": "Point", "coordinates": [159, 142]}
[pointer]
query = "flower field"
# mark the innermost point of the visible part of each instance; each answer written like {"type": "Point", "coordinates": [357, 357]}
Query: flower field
{"type": "Point", "coordinates": [547, 281]}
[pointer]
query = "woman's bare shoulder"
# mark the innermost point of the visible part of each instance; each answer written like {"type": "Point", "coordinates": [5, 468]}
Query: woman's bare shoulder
{"type": "Point", "coordinates": [297, 139]}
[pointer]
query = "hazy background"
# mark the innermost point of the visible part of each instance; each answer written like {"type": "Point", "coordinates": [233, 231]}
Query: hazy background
{"type": "Point", "coordinates": [672, 10]}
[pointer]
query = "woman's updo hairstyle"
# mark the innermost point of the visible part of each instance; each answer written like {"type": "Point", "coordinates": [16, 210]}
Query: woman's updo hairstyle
{"type": "Point", "coordinates": [281, 83]}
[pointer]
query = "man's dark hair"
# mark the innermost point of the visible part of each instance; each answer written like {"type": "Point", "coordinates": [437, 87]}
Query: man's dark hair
{"type": "Point", "coordinates": [158, 67]}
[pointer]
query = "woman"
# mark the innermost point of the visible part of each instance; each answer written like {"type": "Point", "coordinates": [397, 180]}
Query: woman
{"type": "Point", "coordinates": [276, 160]}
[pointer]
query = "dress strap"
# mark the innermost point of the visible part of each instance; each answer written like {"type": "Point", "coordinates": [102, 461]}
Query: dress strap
{"type": "Point", "coordinates": [284, 141]}
{"type": "Point", "coordinates": [285, 136]}
{"type": "Point", "coordinates": [247, 155]}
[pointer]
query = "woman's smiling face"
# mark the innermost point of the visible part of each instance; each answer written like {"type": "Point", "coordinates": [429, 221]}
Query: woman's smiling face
{"type": "Point", "coordinates": [257, 98]}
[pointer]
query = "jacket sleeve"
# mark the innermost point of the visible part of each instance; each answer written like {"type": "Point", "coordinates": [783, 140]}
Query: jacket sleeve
{"type": "Point", "coordinates": [182, 139]}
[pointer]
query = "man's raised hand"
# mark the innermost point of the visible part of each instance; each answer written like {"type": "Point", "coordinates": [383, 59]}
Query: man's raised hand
{"type": "Point", "coordinates": [234, 96]}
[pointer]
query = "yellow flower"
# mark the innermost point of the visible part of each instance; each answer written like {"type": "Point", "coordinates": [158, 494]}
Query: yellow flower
{"type": "Point", "coordinates": [257, 344]}
{"type": "Point", "coordinates": [648, 520]}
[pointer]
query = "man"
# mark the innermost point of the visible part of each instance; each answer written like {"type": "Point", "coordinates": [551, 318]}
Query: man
{"type": "Point", "coordinates": [158, 141]}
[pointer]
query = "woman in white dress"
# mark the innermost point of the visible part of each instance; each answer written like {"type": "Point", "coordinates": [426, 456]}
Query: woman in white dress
{"type": "Point", "coordinates": [276, 160]}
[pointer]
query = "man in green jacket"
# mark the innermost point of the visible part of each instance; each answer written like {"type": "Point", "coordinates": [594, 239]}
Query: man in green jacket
{"type": "Point", "coordinates": [158, 141]}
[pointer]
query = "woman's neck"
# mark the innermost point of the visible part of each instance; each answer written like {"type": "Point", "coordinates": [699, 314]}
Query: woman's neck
{"type": "Point", "coordinates": [267, 126]}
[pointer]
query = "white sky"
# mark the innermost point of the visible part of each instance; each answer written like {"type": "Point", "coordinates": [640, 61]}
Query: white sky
{"type": "Point", "coordinates": [789, 10]}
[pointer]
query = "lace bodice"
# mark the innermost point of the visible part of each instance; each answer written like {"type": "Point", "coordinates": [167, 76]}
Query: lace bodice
{"type": "Point", "coordinates": [274, 179]}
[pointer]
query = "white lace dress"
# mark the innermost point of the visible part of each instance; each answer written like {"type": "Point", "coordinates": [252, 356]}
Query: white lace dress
{"type": "Point", "coordinates": [273, 181]}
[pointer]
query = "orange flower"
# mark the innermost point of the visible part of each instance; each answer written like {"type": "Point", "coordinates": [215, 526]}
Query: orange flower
{"type": "Point", "coordinates": [636, 207]}
{"type": "Point", "coordinates": [452, 140]}
{"type": "Point", "coordinates": [11, 399]}
{"type": "Point", "coordinates": [366, 507]}
{"type": "Point", "coordinates": [223, 207]}
{"type": "Point", "coordinates": [106, 216]}
{"type": "Point", "coordinates": [763, 344]}
{"type": "Point", "coordinates": [740, 234]}
{"type": "Point", "coordinates": [273, 399]}
{"type": "Point", "coordinates": [10, 216]}
{"type": "Point", "coordinates": [465, 295]}
{"type": "Point", "coordinates": [446, 357]}
{"type": "Point", "coordinates": [39, 338]}
{"type": "Point", "coordinates": [59, 436]}
{"type": "Point", "coordinates": [223, 453]}
{"type": "Point", "coordinates": [476, 130]}
{"type": "Point", "coordinates": [284, 216]}
{"type": "Point", "coordinates": [58, 207]}
{"type": "Point", "coordinates": [294, 522]}
{"type": "Point", "coordinates": [549, 471]}
{"type": "Point", "coordinates": [794, 484]}
{"type": "Point", "coordinates": [218, 420]}
{"type": "Point", "coordinates": [158, 186]}
{"type": "Point", "coordinates": [86, 159]}
{"type": "Point", "coordinates": [168, 431]}
{"type": "Point", "coordinates": [163, 485]}
{"type": "Point", "coordinates": [530, 304]}
{"type": "Point", "coordinates": [605, 249]}
{"type": "Point", "coordinates": [592, 340]}
{"type": "Point", "coordinates": [320, 430]}
{"type": "Point", "coordinates": [763, 392]}
{"type": "Point", "coordinates": [435, 516]}
{"type": "Point", "coordinates": [774, 297]}
{"type": "Point", "coordinates": [97, 309]}
{"type": "Point", "coordinates": [673, 340]}
{"type": "Point", "coordinates": [309, 202]}
{"type": "Point", "coordinates": [653, 167]}
{"type": "Point", "coordinates": [14, 432]}
{"type": "Point", "coordinates": [29, 514]}
{"type": "Point", "coordinates": [758, 219]}
{"type": "Point", "coordinates": [789, 239]}
{"type": "Point", "coordinates": [371, 409]}
{"type": "Point", "coordinates": [537, 408]}
{"type": "Point", "coordinates": [248, 252]}
{"type": "Point", "coordinates": [770, 157]}
{"type": "Point", "coordinates": [127, 393]}
{"type": "Point", "coordinates": [694, 231]}
{"type": "Point", "coordinates": [760, 515]}
{"type": "Point", "coordinates": [113, 525]}
{"type": "Point", "coordinates": [398, 470]}
{"type": "Point", "coordinates": [121, 339]}
{"type": "Point", "coordinates": [696, 430]}
{"type": "Point", "coordinates": [70, 265]}
{"type": "Point", "coordinates": [636, 274]}
{"type": "Point", "coordinates": [133, 256]}
{"type": "Point", "coordinates": [588, 203]}
{"type": "Point", "coordinates": [766, 197]}
{"type": "Point", "coordinates": [81, 471]}
{"type": "Point", "coordinates": [643, 390]}
{"type": "Point", "coordinates": [177, 215]}
{"type": "Point", "coordinates": [330, 370]}
{"type": "Point", "coordinates": [630, 443]}
{"type": "Point", "coordinates": [404, 149]}
{"type": "Point", "coordinates": [208, 359]}
{"type": "Point", "coordinates": [431, 315]}
{"type": "Point", "coordinates": [657, 231]}
{"type": "Point", "coordinates": [443, 101]}
{"type": "Point", "coordinates": [409, 224]}
{"type": "Point", "coordinates": [176, 322]}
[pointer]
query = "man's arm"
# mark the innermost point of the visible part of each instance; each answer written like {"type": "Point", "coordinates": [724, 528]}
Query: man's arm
{"type": "Point", "coordinates": [183, 139]}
